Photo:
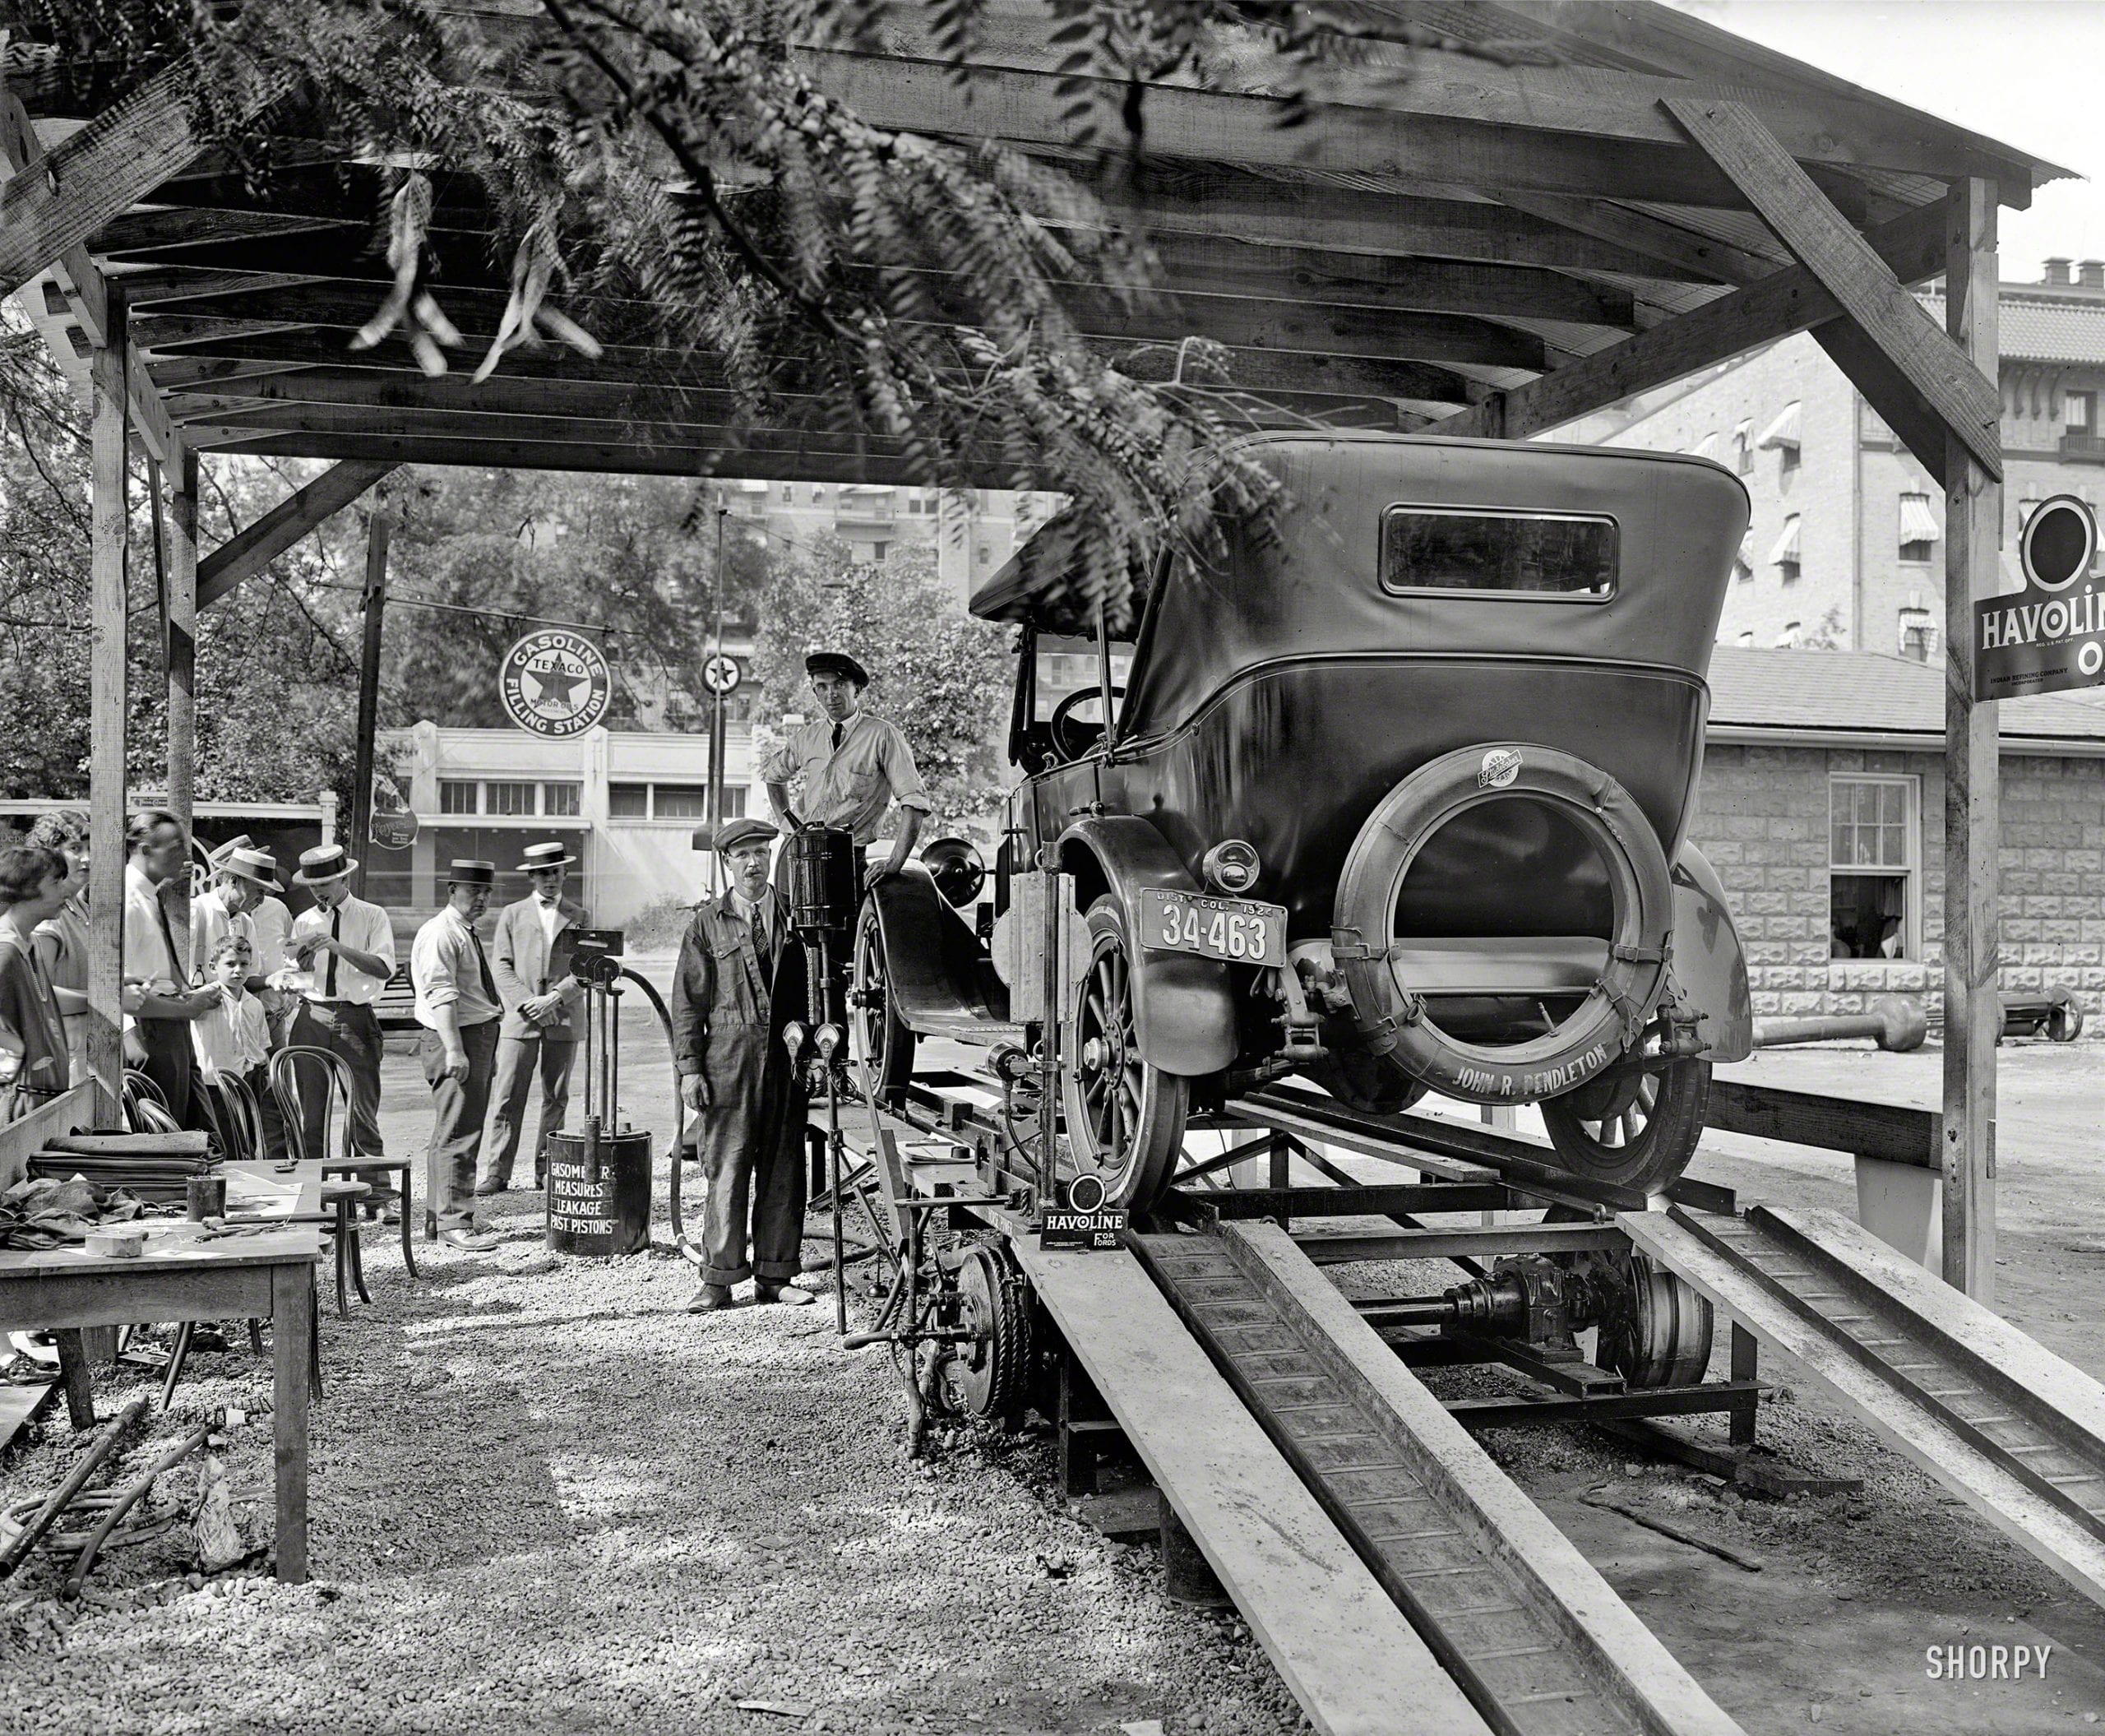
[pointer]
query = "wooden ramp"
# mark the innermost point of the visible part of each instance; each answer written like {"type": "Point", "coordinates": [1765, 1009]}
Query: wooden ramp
{"type": "Point", "coordinates": [1531, 1633]}
{"type": "Point", "coordinates": [1990, 1412]}
{"type": "Point", "coordinates": [1337, 1640]}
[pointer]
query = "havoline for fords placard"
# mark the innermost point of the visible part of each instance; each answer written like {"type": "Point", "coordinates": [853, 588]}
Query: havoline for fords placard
{"type": "Point", "coordinates": [2051, 636]}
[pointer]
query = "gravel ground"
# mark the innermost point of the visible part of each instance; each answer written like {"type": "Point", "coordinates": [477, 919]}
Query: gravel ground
{"type": "Point", "coordinates": [545, 1498]}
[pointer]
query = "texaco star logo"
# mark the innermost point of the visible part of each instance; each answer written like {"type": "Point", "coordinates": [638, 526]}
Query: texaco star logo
{"type": "Point", "coordinates": [554, 683]}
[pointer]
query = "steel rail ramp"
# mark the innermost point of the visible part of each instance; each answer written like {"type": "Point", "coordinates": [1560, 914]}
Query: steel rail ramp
{"type": "Point", "coordinates": [1993, 1415]}
{"type": "Point", "coordinates": [1341, 1645]}
{"type": "Point", "coordinates": [1537, 1639]}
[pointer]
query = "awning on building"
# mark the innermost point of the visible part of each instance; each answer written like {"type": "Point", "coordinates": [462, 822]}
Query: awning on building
{"type": "Point", "coordinates": [1783, 431]}
{"type": "Point", "coordinates": [1706, 447]}
{"type": "Point", "coordinates": [1918, 524]}
{"type": "Point", "coordinates": [1786, 545]}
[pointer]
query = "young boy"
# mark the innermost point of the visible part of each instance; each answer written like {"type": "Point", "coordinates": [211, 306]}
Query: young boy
{"type": "Point", "coordinates": [233, 1038]}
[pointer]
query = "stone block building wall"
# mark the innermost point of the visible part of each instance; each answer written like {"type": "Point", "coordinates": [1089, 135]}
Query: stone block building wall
{"type": "Point", "coordinates": [1763, 820]}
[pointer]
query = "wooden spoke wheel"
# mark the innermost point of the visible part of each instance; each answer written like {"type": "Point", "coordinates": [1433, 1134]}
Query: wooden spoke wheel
{"type": "Point", "coordinates": [881, 1043]}
{"type": "Point", "coordinates": [1124, 1118]}
{"type": "Point", "coordinates": [1636, 1129]}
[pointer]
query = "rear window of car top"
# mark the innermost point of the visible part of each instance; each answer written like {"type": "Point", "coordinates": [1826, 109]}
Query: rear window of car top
{"type": "Point", "coordinates": [1548, 556]}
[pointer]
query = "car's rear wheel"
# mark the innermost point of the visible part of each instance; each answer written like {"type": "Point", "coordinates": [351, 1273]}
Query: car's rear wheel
{"type": "Point", "coordinates": [1635, 1129]}
{"type": "Point", "coordinates": [880, 1042]}
{"type": "Point", "coordinates": [1124, 1118]}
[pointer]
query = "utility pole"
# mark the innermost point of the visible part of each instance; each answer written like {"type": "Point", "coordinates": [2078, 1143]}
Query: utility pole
{"type": "Point", "coordinates": [375, 603]}
{"type": "Point", "coordinates": [716, 730]}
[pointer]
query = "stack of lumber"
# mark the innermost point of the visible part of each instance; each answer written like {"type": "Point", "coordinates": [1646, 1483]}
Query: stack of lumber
{"type": "Point", "coordinates": [155, 1167]}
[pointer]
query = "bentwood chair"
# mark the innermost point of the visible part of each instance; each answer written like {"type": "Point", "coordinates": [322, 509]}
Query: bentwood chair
{"type": "Point", "coordinates": [229, 1105]}
{"type": "Point", "coordinates": [301, 1074]}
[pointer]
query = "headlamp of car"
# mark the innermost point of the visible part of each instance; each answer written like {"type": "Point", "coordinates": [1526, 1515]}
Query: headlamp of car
{"type": "Point", "coordinates": [956, 868]}
{"type": "Point", "coordinates": [1231, 867]}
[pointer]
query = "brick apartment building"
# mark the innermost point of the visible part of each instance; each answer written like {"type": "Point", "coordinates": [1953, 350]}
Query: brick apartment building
{"type": "Point", "coordinates": [1822, 808]}
{"type": "Point", "coordinates": [1845, 548]}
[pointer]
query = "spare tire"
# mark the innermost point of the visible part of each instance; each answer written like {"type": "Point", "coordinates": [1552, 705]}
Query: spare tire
{"type": "Point", "coordinates": [1611, 1017]}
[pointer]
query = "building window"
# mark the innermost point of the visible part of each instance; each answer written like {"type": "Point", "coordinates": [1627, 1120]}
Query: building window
{"type": "Point", "coordinates": [456, 796]}
{"type": "Point", "coordinates": [2079, 412]}
{"type": "Point", "coordinates": [1747, 639]}
{"type": "Point", "coordinates": [878, 551]}
{"type": "Point", "coordinates": [1784, 553]}
{"type": "Point", "coordinates": [628, 801]}
{"type": "Point", "coordinates": [1919, 528]}
{"type": "Point", "coordinates": [1919, 636]}
{"type": "Point", "coordinates": [1789, 636]}
{"type": "Point", "coordinates": [508, 799]}
{"type": "Point", "coordinates": [982, 554]}
{"type": "Point", "coordinates": [679, 801]}
{"type": "Point", "coordinates": [560, 800]}
{"type": "Point", "coordinates": [1743, 561]}
{"type": "Point", "coordinates": [1743, 448]}
{"type": "Point", "coordinates": [1782, 435]}
{"type": "Point", "coordinates": [1872, 855]}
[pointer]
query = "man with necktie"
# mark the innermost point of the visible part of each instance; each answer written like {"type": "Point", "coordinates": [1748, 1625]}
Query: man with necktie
{"type": "Point", "coordinates": [343, 954]}
{"type": "Point", "coordinates": [739, 980]}
{"type": "Point", "coordinates": [853, 766]}
{"type": "Point", "coordinates": [458, 1007]}
{"type": "Point", "coordinates": [531, 955]}
{"type": "Point", "coordinates": [159, 993]}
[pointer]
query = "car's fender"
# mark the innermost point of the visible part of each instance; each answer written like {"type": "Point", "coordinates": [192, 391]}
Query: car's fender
{"type": "Point", "coordinates": [936, 972]}
{"type": "Point", "coordinates": [1183, 1010]}
{"type": "Point", "coordinates": [1709, 964]}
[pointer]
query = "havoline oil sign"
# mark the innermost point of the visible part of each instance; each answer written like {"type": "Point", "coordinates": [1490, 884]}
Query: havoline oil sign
{"type": "Point", "coordinates": [2051, 636]}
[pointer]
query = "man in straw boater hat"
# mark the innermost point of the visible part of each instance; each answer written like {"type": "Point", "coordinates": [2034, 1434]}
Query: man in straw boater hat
{"type": "Point", "coordinates": [270, 919]}
{"type": "Point", "coordinates": [242, 881]}
{"type": "Point", "coordinates": [458, 1008]}
{"type": "Point", "coordinates": [740, 979]}
{"type": "Point", "coordinates": [853, 764]}
{"type": "Point", "coordinates": [343, 952]}
{"type": "Point", "coordinates": [529, 957]}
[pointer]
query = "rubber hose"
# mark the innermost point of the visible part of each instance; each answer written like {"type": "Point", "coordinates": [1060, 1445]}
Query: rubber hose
{"type": "Point", "coordinates": [679, 1106]}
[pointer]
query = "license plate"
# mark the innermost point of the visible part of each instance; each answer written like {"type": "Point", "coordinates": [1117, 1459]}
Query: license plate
{"type": "Point", "coordinates": [1238, 930]}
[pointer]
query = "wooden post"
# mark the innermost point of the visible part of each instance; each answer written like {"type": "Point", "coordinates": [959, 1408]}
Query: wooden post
{"type": "Point", "coordinates": [376, 607]}
{"type": "Point", "coordinates": [1972, 816]}
{"type": "Point", "coordinates": [107, 372]}
{"type": "Point", "coordinates": [182, 643]}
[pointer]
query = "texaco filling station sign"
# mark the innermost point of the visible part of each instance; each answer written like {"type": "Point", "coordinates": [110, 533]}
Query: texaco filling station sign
{"type": "Point", "coordinates": [554, 683]}
{"type": "Point", "coordinates": [2051, 636]}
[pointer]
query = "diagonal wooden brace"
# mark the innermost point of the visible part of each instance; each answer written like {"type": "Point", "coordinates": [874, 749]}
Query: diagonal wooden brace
{"type": "Point", "coordinates": [1957, 393]}
{"type": "Point", "coordinates": [246, 554]}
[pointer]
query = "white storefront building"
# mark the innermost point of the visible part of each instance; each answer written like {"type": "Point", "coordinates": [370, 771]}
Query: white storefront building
{"type": "Point", "coordinates": [628, 803]}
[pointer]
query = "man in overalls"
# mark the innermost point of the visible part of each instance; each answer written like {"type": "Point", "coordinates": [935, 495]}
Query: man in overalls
{"type": "Point", "coordinates": [739, 981]}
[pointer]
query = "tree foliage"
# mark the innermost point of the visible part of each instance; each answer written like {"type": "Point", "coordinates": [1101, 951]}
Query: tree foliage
{"type": "Point", "coordinates": [665, 173]}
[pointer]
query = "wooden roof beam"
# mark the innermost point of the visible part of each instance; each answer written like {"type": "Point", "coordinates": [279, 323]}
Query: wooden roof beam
{"type": "Point", "coordinates": [728, 463]}
{"type": "Point", "coordinates": [257, 346]}
{"type": "Point", "coordinates": [1367, 144]}
{"type": "Point", "coordinates": [1790, 300]}
{"type": "Point", "coordinates": [1845, 127]}
{"type": "Point", "coordinates": [1848, 267]}
{"type": "Point", "coordinates": [106, 168]}
{"type": "Point", "coordinates": [1663, 246]}
{"type": "Point", "coordinates": [78, 280]}
{"type": "Point", "coordinates": [249, 552]}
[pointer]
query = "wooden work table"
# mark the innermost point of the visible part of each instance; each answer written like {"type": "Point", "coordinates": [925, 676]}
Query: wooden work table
{"type": "Point", "coordinates": [181, 1275]}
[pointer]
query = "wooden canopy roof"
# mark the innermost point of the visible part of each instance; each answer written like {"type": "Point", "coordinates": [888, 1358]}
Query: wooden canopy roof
{"type": "Point", "coordinates": [1513, 214]}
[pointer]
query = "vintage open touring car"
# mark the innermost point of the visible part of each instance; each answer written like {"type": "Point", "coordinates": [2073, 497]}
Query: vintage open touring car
{"type": "Point", "coordinates": [1395, 797]}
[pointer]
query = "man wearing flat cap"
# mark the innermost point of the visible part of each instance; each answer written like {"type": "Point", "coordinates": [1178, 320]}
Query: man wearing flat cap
{"type": "Point", "coordinates": [853, 767]}
{"type": "Point", "coordinates": [458, 1007]}
{"type": "Point", "coordinates": [530, 955]}
{"type": "Point", "coordinates": [739, 981]}
{"type": "Point", "coordinates": [343, 953]}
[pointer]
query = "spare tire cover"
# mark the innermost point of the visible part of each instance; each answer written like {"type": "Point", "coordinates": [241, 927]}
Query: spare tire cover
{"type": "Point", "coordinates": [1610, 1019]}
